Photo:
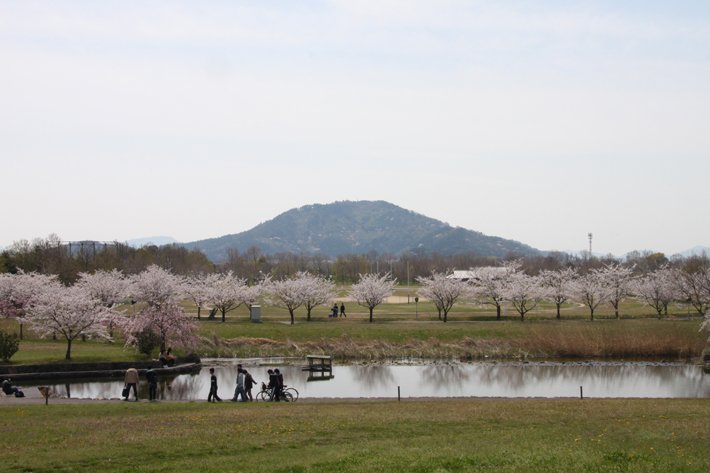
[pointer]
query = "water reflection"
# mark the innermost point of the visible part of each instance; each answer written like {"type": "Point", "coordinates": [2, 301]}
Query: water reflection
{"type": "Point", "coordinates": [433, 380]}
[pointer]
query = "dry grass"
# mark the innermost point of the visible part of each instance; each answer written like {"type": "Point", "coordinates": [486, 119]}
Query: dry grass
{"type": "Point", "coordinates": [610, 339]}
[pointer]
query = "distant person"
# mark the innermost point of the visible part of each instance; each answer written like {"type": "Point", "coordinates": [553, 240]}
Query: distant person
{"type": "Point", "coordinates": [239, 391]}
{"type": "Point", "coordinates": [170, 358]}
{"type": "Point", "coordinates": [131, 381]}
{"type": "Point", "coordinates": [10, 390]}
{"type": "Point", "coordinates": [278, 391]}
{"type": "Point", "coordinates": [334, 311]}
{"type": "Point", "coordinates": [212, 396]}
{"type": "Point", "coordinates": [248, 384]}
{"type": "Point", "coordinates": [163, 359]}
{"type": "Point", "coordinates": [273, 381]}
{"type": "Point", "coordinates": [152, 378]}
{"type": "Point", "coordinates": [342, 310]}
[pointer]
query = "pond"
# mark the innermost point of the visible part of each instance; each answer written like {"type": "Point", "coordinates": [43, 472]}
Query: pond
{"type": "Point", "coordinates": [508, 380]}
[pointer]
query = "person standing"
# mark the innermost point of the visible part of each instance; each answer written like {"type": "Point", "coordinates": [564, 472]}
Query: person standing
{"type": "Point", "coordinates": [334, 311]}
{"type": "Point", "coordinates": [239, 391]}
{"type": "Point", "coordinates": [342, 310]}
{"type": "Point", "coordinates": [212, 396]}
{"type": "Point", "coordinates": [131, 381]}
{"type": "Point", "coordinates": [152, 378]}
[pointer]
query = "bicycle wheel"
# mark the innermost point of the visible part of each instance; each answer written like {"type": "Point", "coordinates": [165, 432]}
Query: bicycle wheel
{"type": "Point", "coordinates": [262, 396]}
{"type": "Point", "coordinates": [293, 392]}
{"type": "Point", "coordinates": [288, 397]}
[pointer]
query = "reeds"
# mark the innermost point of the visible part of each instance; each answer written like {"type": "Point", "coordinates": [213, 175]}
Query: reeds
{"type": "Point", "coordinates": [593, 340]}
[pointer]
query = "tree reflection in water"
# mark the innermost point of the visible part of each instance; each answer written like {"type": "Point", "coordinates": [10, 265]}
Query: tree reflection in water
{"type": "Point", "coordinates": [372, 377]}
{"type": "Point", "coordinates": [445, 377]}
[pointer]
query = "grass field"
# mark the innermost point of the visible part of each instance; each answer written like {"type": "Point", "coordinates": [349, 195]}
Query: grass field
{"type": "Point", "coordinates": [403, 330]}
{"type": "Point", "coordinates": [361, 436]}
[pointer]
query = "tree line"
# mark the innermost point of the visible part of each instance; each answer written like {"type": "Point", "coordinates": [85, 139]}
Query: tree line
{"type": "Point", "coordinates": [67, 260]}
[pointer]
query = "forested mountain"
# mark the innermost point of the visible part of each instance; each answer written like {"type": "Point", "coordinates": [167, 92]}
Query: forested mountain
{"type": "Point", "coordinates": [358, 227]}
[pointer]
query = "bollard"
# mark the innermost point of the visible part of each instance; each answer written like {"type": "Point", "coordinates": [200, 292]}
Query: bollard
{"type": "Point", "coordinates": [399, 398]}
{"type": "Point", "coordinates": [581, 393]}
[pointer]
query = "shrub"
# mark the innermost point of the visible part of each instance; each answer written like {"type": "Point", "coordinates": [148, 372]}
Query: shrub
{"type": "Point", "coordinates": [9, 344]}
{"type": "Point", "coordinates": [147, 341]}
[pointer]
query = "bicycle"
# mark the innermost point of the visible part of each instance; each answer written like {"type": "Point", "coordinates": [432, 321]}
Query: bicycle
{"type": "Point", "coordinates": [267, 394]}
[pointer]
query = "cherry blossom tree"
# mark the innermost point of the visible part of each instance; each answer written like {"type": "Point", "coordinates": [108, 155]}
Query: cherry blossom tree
{"type": "Point", "coordinates": [225, 291]}
{"type": "Point", "coordinates": [591, 291]}
{"type": "Point", "coordinates": [617, 279]}
{"type": "Point", "coordinates": [17, 292]}
{"type": "Point", "coordinates": [161, 291]}
{"type": "Point", "coordinates": [156, 287]}
{"type": "Point", "coordinates": [656, 289]}
{"type": "Point", "coordinates": [109, 287]}
{"type": "Point", "coordinates": [489, 284]}
{"type": "Point", "coordinates": [557, 286]}
{"type": "Point", "coordinates": [524, 292]}
{"type": "Point", "coordinates": [371, 290]}
{"type": "Point", "coordinates": [693, 286]}
{"type": "Point", "coordinates": [442, 291]}
{"type": "Point", "coordinates": [169, 322]}
{"type": "Point", "coordinates": [289, 294]}
{"type": "Point", "coordinates": [69, 311]}
{"type": "Point", "coordinates": [316, 291]}
{"type": "Point", "coordinates": [195, 288]}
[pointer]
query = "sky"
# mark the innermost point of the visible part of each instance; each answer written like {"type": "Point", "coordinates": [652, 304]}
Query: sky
{"type": "Point", "coordinates": [537, 121]}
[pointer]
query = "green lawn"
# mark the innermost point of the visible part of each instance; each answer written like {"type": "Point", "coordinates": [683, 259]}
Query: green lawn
{"type": "Point", "coordinates": [361, 436]}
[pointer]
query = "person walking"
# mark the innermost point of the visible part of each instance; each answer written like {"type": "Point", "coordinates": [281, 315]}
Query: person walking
{"type": "Point", "coordinates": [212, 396]}
{"type": "Point", "coordinates": [248, 384]}
{"type": "Point", "coordinates": [239, 391]}
{"type": "Point", "coordinates": [279, 389]}
{"type": "Point", "coordinates": [152, 378]}
{"type": "Point", "coordinates": [131, 381]}
{"type": "Point", "coordinates": [273, 381]}
{"type": "Point", "coordinates": [342, 310]}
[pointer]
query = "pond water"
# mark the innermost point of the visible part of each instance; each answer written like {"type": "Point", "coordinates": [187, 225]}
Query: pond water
{"type": "Point", "coordinates": [511, 380]}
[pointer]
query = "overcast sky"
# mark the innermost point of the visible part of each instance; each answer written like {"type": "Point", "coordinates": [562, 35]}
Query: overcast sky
{"type": "Point", "coordinates": [539, 121]}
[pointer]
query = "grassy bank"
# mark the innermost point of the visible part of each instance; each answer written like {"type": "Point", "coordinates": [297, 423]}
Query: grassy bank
{"type": "Point", "coordinates": [397, 334]}
{"type": "Point", "coordinates": [355, 436]}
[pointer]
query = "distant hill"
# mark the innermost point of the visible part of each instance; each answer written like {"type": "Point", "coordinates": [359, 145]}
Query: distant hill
{"type": "Point", "coordinates": [154, 240]}
{"type": "Point", "coordinates": [696, 251]}
{"type": "Point", "coordinates": [358, 227]}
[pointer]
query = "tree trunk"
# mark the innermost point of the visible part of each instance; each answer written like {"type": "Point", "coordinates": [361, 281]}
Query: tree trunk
{"type": "Point", "coordinates": [497, 311]}
{"type": "Point", "coordinates": [591, 314]}
{"type": "Point", "coordinates": [290, 311]}
{"type": "Point", "coordinates": [198, 312]}
{"type": "Point", "coordinates": [371, 308]}
{"type": "Point", "coordinates": [68, 355]}
{"type": "Point", "coordinates": [224, 313]}
{"type": "Point", "coordinates": [308, 314]}
{"type": "Point", "coordinates": [558, 312]}
{"type": "Point", "coordinates": [21, 324]}
{"type": "Point", "coordinates": [446, 315]}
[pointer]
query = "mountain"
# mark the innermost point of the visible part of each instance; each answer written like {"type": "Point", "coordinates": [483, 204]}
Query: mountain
{"type": "Point", "coordinates": [154, 240]}
{"type": "Point", "coordinates": [358, 227]}
{"type": "Point", "coordinates": [696, 251]}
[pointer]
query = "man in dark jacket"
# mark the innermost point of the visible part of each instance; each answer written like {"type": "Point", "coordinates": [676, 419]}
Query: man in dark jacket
{"type": "Point", "coordinates": [212, 396]}
{"type": "Point", "coordinates": [152, 378]}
